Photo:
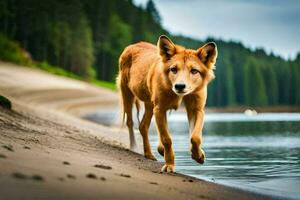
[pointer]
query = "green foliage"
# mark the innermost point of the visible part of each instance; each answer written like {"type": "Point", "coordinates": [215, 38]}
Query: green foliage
{"type": "Point", "coordinates": [5, 102]}
{"type": "Point", "coordinates": [228, 83]}
{"type": "Point", "coordinates": [255, 91]}
{"type": "Point", "coordinates": [151, 9]}
{"type": "Point", "coordinates": [56, 70]}
{"type": "Point", "coordinates": [105, 84]}
{"type": "Point", "coordinates": [11, 51]}
{"type": "Point", "coordinates": [81, 50]}
{"type": "Point", "coordinates": [296, 78]}
{"type": "Point", "coordinates": [56, 31]}
{"type": "Point", "coordinates": [85, 39]}
{"type": "Point", "coordinates": [119, 36]}
{"type": "Point", "coordinates": [270, 79]}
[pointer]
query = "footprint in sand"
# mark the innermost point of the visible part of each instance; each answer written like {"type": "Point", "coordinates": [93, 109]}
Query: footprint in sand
{"type": "Point", "coordinates": [61, 179]}
{"type": "Point", "coordinates": [103, 166]}
{"type": "Point", "coordinates": [19, 175]}
{"type": "Point", "coordinates": [26, 147]}
{"type": "Point", "coordinates": [189, 180]}
{"type": "Point", "coordinates": [153, 183]}
{"type": "Point", "coordinates": [93, 176]}
{"type": "Point", "coordinates": [8, 147]}
{"type": "Point", "coordinates": [3, 156]}
{"type": "Point", "coordinates": [70, 176]}
{"type": "Point", "coordinates": [66, 163]}
{"type": "Point", "coordinates": [204, 197]}
{"type": "Point", "coordinates": [125, 175]}
{"type": "Point", "coordinates": [37, 177]}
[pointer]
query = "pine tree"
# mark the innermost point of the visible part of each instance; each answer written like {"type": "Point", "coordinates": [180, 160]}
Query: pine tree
{"type": "Point", "coordinates": [271, 83]}
{"type": "Point", "coordinates": [230, 91]}
{"type": "Point", "coordinates": [81, 51]}
{"type": "Point", "coordinates": [254, 87]}
{"type": "Point", "coordinates": [151, 9]}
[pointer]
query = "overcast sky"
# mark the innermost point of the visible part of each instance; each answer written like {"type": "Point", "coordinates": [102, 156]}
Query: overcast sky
{"type": "Point", "coordinates": [271, 24]}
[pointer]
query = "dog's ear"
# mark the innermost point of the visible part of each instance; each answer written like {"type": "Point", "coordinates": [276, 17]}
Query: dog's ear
{"type": "Point", "coordinates": [208, 54]}
{"type": "Point", "coordinates": [166, 47]}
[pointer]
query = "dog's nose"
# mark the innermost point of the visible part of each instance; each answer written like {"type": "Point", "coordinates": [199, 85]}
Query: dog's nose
{"type": "Point", "coordinates": [179, 87]}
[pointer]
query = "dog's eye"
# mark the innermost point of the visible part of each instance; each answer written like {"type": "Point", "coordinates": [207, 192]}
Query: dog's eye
{"type": "Point", "coordinates": [194, 71]}
{"type": "Point", "coordinates": [173, 70]}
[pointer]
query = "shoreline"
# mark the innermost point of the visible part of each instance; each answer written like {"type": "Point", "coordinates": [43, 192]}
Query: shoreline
{"type": "Point", "coordinates": [54, 154]}
{"type": "Point", "coordinates": [214, 176]}
{"type": "Point", "coordinates": [275, 109]}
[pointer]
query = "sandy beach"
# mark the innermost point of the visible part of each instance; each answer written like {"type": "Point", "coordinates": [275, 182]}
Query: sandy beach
{"type": "Point", "coordinates": [47, 151]}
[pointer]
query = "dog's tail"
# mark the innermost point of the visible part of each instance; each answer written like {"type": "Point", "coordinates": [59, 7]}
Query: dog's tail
{"type": "Point", "coordinates": [122, 83]}
{"type": "Point", "coordinates": [119, 82]}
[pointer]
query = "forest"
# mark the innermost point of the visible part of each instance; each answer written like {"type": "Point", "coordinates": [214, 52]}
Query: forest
{"type": "Point", "coordinates": [87, 37]}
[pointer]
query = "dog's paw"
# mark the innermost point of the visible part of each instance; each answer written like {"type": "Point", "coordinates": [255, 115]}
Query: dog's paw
{"type": "Point", "coordinates": [199, 158]}
{"type": "Point", "coordinates": [168, 168]}
{"type": "Point", "coordinates": [150, 156]}
{"type": "Point", "coordinates": [161, 150]}
{"type": "Point", "coordinates": [133, 147]}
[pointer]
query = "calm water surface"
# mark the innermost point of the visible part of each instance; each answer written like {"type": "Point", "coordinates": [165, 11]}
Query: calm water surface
{"type": "Point", "coordinates": [257, 153]}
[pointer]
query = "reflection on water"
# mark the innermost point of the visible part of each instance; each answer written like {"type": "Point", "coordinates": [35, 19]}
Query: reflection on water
{"type": "Point", "coordinates": [258, 155]}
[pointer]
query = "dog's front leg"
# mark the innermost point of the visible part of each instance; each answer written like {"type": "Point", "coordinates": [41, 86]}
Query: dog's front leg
{"type": "Point", "coordinates": [165, 138]}
{"type": "Point", "coordinates": [196, 118]}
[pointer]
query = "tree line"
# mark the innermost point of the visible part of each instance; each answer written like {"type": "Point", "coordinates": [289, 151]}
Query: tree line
{"type": "Point", "coordinates": [87, 37]}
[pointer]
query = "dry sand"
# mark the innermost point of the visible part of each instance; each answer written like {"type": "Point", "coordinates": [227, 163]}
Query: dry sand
{"type": "Point", "coordinates": [48, 152]}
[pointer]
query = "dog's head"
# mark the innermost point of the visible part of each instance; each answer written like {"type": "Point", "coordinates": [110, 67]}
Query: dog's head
{"type": "Point", "coordinates": [187, 70]}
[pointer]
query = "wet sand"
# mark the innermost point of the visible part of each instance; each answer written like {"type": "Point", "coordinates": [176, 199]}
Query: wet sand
{"type": "Point", "coordinates": [48, 152]}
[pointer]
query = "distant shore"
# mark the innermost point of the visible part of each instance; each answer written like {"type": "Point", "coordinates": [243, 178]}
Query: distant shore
{"type": "Point", "coordinates": [48, 152]}
{"type": "Point", "coordinates": [273, 109]}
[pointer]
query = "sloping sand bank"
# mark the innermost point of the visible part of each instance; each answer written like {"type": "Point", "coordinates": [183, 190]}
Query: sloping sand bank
{"type": "Point", "coordinates": [47, 152]}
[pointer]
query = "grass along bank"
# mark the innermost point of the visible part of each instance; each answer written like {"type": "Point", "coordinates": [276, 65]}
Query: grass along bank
{"type": "Point", "coordinates": [11, 51]}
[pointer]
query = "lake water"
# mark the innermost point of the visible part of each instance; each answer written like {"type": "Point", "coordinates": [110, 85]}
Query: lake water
{"type": "Point", "coordinates": [258, 153]}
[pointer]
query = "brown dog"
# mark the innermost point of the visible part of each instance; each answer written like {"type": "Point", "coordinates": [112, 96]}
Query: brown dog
{"type": "Point", "coordinates": [162, 77]}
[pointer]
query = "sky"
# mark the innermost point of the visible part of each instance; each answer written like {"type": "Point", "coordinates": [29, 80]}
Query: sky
{"type": "Point", "coordinates": [270, 24]}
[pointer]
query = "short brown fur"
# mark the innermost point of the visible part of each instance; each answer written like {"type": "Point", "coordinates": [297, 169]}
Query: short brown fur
{"type": "Point", "coordinates": [162, 77]}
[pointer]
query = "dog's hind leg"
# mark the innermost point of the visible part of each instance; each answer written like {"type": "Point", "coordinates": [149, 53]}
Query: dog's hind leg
{"type": "Point", "coordinates": [144, 127]}
{"type": "Point", "coordinates": [128, 98]}
{"type": "Point", "coordinates": [128, 101]}
{"type": "Point", "coordinates": [128, 104]}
